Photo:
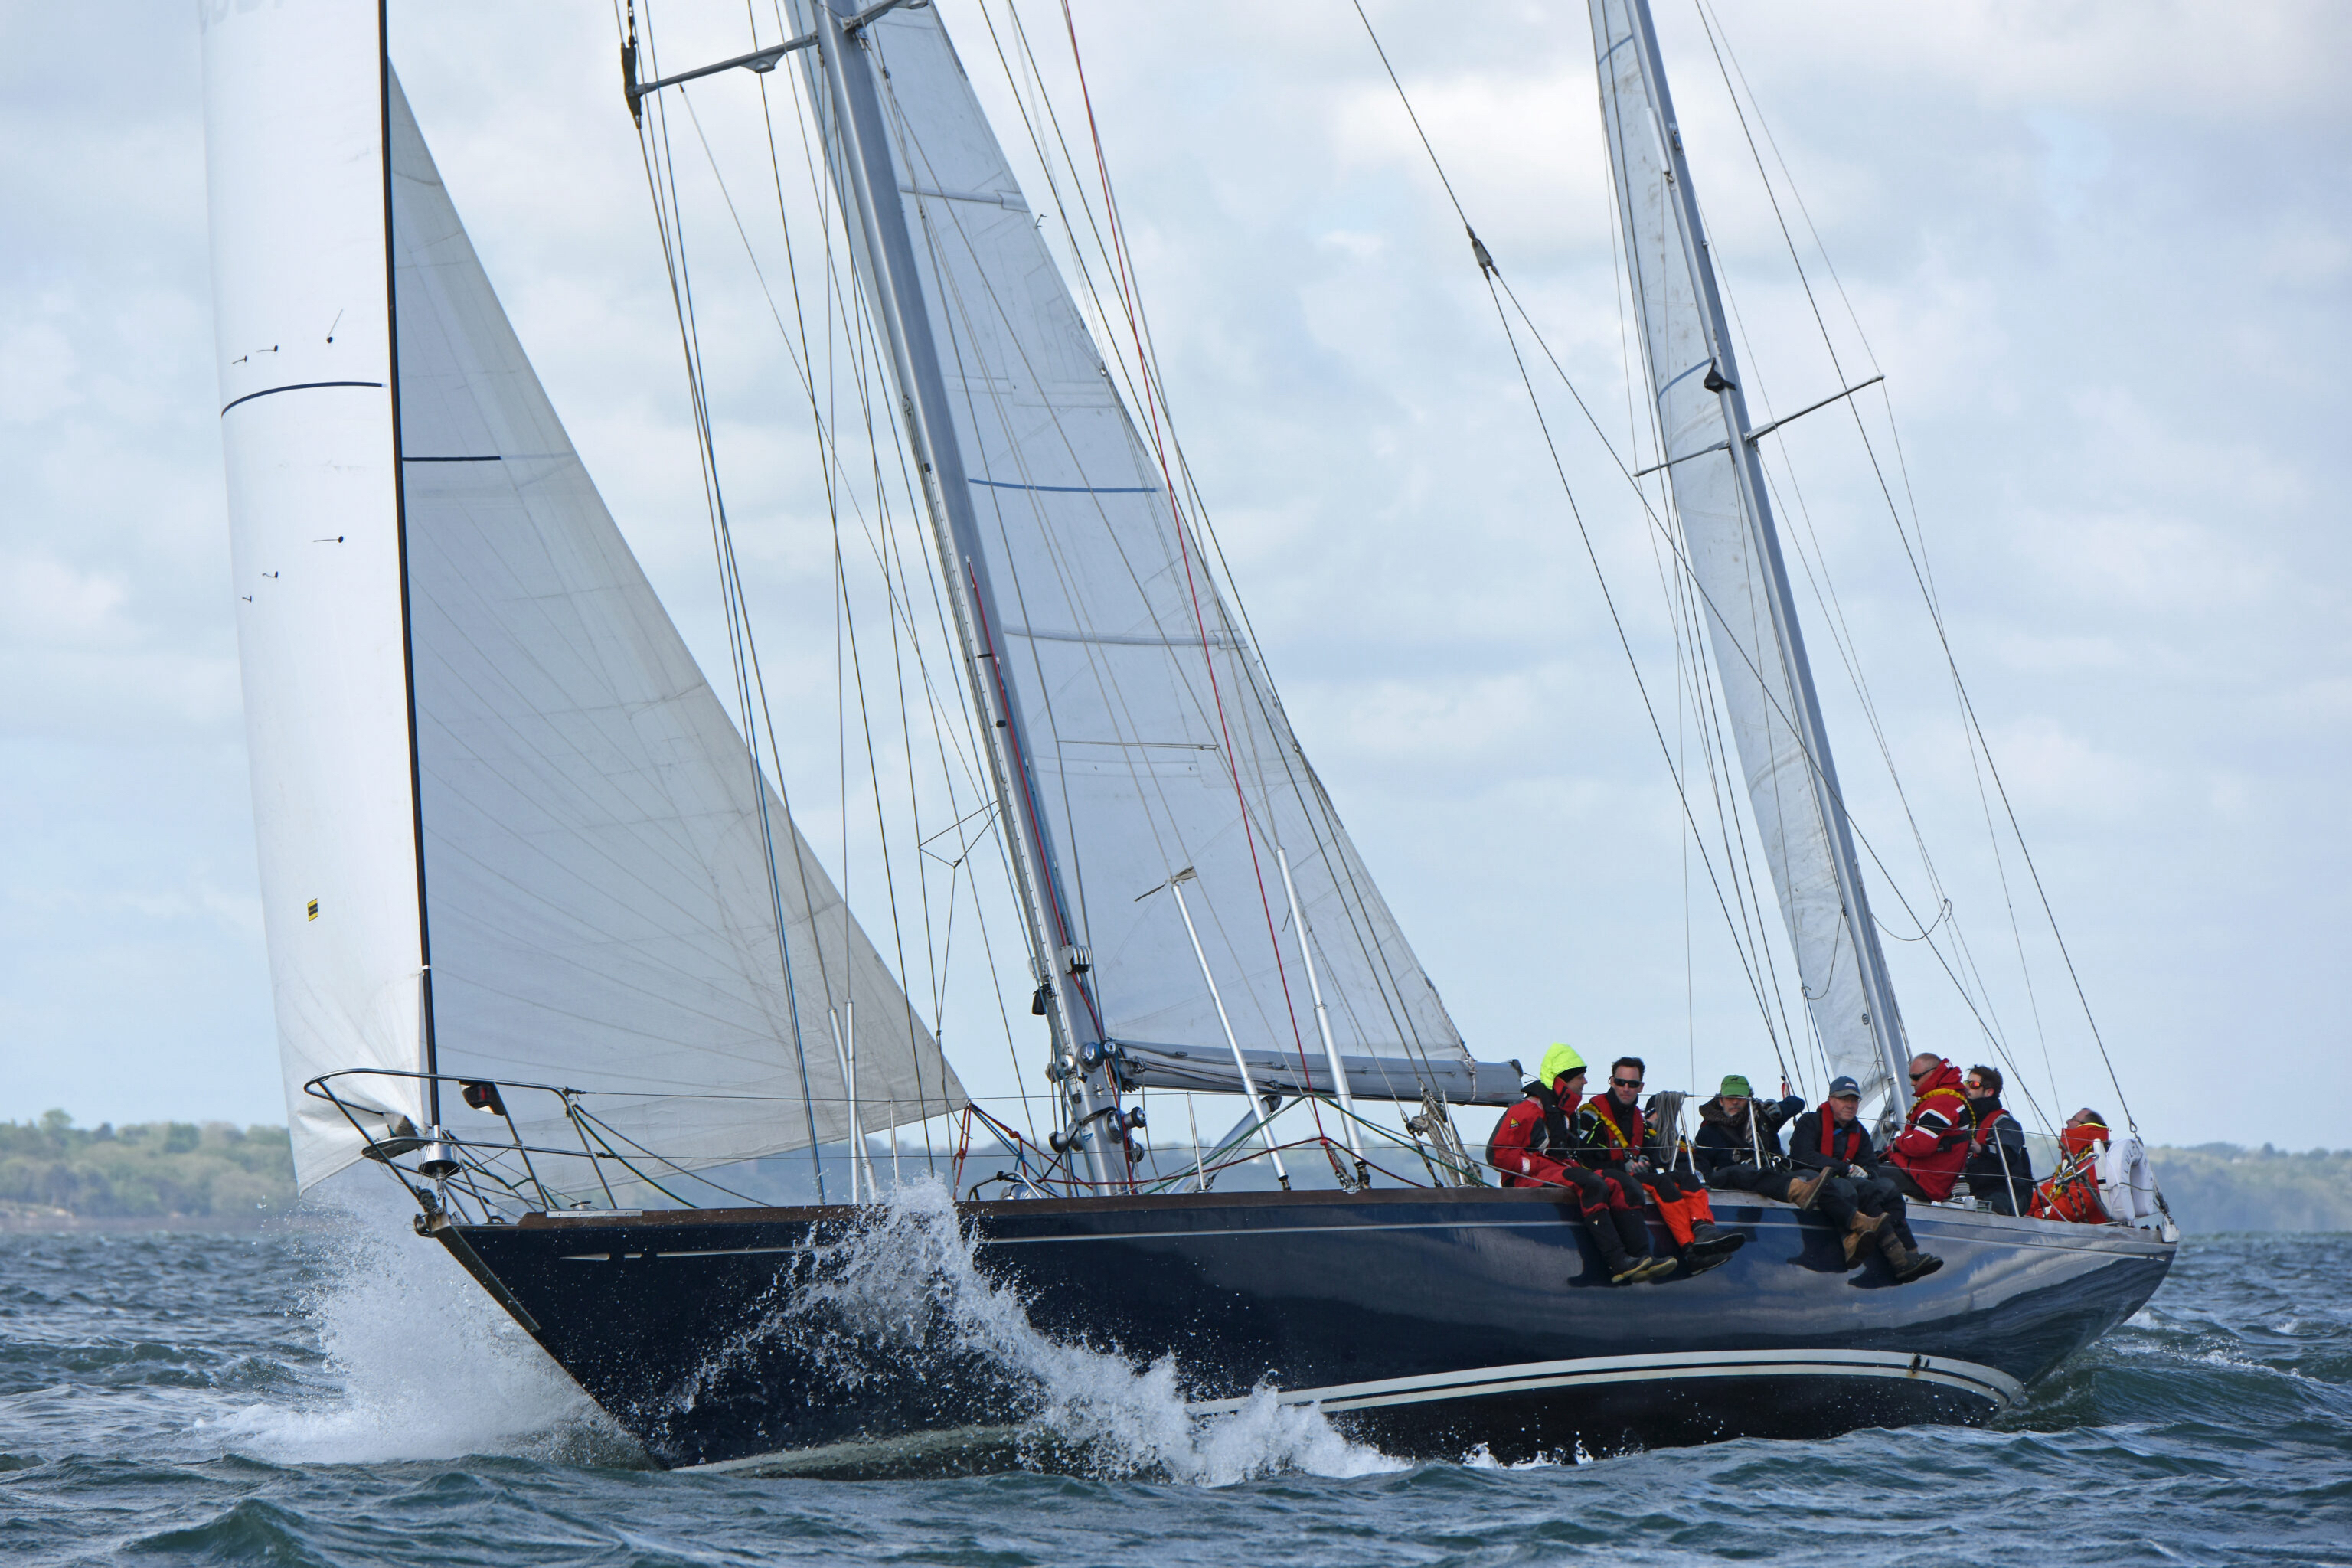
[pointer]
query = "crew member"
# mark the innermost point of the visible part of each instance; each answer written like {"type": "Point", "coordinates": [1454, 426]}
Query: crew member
{"type": "Point", "coordinates": [1534, 1146]}
{"type": "Point", "coordinates": [1926, 1157]}
{"type": "Point", "coordinates": [1738, 1142]}
{"type": "Point", "coordinates": [2072, 1193]}
{"type": "Point", "coordinates": [2101, 1179]}
{"type": "Point", "coordinates": [1867, 1206]}
{"type": "Point", "coordinates": [1617, 1143]}
{"type": "Point", "coordinates": [1999, 1168]}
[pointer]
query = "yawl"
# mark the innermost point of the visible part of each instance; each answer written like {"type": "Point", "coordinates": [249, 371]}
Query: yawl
{"type": "Point", "coordinates": [514, 852]}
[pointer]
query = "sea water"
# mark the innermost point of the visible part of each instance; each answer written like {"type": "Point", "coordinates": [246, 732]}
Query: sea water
{"type": "Point", "coordinates": [336, 1392]}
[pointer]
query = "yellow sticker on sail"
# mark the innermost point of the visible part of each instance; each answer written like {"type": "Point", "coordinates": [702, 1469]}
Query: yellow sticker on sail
{"type": "Point", "coordinates": [314, 909]}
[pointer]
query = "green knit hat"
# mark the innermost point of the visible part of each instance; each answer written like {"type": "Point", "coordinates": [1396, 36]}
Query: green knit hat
{"type": "Point", "coordinates": [1557, 1061]}
{"type": "Point", "coordinates": [1733, 1084]}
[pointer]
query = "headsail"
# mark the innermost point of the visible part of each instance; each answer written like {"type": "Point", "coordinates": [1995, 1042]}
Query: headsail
{"type": "Point", "coordinates": [1150, 739]}
{"type": "Point", "coordinates": [1735, 563]}
{"type": "Point", "coordinates": [292, 137]}
{"type": "Point", "coordinates": [507, 751]}
{"type": "Point", "coordinates": [594, 833]}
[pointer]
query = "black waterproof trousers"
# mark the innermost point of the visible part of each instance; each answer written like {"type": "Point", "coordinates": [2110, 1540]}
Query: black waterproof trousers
{"type": "Point", "coordinates": [1746, 1178]}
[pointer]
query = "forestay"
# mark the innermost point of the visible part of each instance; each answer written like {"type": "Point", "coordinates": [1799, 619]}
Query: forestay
{"type": "Point", "coordinates": [1150, 738]}
{"type": "Point", "coordinates": [1735, 566]}
{"type": "Point", "coordinates": [595, 834]}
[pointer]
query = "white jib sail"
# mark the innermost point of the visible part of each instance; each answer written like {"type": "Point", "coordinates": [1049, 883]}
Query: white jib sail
{"type": "Point", "coordinates": [594, 869]}
{"type": "Point", "coordinates": [293, 143]}
{"type": "Point", "coordinates": [1153, 738]}
{"type": "Point", "coordinates": [1790, 780]}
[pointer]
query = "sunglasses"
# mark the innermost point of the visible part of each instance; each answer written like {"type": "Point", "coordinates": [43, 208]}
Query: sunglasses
{"type": "Point", "coordinates": [1626, 1082]}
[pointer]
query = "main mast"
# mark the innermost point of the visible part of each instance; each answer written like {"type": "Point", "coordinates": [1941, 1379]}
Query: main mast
{"type": "Point", "coordinates": [885, 254]}
{"type": "Point", "coordinates": [1795, 707]}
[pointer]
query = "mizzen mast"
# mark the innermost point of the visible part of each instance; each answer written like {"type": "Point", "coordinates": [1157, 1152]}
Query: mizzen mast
{"type": "Point", "coordinates": [1734, 551]}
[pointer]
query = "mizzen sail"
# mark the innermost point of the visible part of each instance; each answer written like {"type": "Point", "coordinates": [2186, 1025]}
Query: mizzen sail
{"type": "Point", "coordinates": [1735, 563]}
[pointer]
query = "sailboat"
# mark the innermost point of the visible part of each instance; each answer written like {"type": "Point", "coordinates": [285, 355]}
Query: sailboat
{"type": "Point", "coordinates": [520, 869]}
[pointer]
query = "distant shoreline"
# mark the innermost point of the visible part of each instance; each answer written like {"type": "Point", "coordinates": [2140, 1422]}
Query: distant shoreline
{"type": "Point", "coordinates": [57, 1177]}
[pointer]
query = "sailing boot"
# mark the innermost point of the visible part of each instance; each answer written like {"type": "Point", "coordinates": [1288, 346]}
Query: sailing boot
{"type": "Point", "coordinates": [1623, 1268]}
{"type": "Point", "coordinates": [1710, 1244]}
{"type": "Point", "coordinates": [1908, 1265]}
{"type": "Point", "coordinates": [1689, 1219]}
{"type": "Point", "coordinates": [1800, 1189]}
{"type": "Point", "coordinates": [1633, 1232]}
{"type": "Point", "coordinates": [1859, 1230]}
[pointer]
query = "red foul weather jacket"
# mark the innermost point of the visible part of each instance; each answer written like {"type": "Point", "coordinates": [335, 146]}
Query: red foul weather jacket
{"type": "Point", "coordinates": [1934, 1143]}
{"type": "Point", "coordinates": [1530, 1141]}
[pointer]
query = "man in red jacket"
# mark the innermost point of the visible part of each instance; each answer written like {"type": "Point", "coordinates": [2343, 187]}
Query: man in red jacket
{"type": "Point", "coordinates": [1926, 1157]}
{"type": "Point", "coordinates": [1535, 1145]}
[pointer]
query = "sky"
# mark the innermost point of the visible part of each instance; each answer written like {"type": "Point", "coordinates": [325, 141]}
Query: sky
{"type": "Point", "coordinates": [2100, 253]}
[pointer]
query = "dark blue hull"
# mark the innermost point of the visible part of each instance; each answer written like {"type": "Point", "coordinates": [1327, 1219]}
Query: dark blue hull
{"type": "Point", "coordinates": [1427, 1322]}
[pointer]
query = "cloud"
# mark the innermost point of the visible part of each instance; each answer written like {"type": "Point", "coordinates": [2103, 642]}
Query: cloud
{"type": "Point", "coordinates": [2074, 237]}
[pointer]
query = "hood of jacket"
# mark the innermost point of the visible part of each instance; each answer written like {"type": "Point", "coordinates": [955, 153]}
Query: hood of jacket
{"type": "Point", "coordinates": [1945, 1078]}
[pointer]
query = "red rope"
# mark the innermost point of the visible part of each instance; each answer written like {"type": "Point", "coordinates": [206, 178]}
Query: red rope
{"type": "Point", "coordinates": [1183, 546]}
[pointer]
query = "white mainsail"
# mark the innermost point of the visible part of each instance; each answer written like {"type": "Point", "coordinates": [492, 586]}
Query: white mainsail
{"type": "Point", "coordinates": [582, 831]}
{"type": "Point", "coordinates": [1149, 737]}
{"type": "Point", "coordinates": [1735, 564]}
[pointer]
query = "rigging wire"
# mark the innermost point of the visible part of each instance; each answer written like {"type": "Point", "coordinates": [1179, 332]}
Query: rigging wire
{"type": "Point", "coordinates": [1126, 287]}
{"type": "Point", "coordinates": [1495, 279]}
{"type": "Point", "coordinates": [1917, 559]}
{"type": "Point", "coordinates": [741, 650]}
{"type": "Point", "coordinates": [1903, 468]}
{"type": "Point", "coordinates": [1313, 803]}
{"type": "Point", "coordinates": [1499, 289]}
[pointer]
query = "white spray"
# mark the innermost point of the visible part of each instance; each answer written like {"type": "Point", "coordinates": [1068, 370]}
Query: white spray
{"type": "Point", "coordinates": [905, 1279]}
{"type": "Point", "coordinates": [420, 1364]}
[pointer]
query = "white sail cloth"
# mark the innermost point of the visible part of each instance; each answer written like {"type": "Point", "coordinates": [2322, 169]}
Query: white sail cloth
{"type": "Point", "coordinates": [1152, 738]}
{"type": "Point", "coordinates": [293, 159]}
{"type": "Point", "coordinates": [593, 872]}
{"type": "Point", "coordinates": [1725, 528]}
{"type": "Point", "coordinates": [595, 838]}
